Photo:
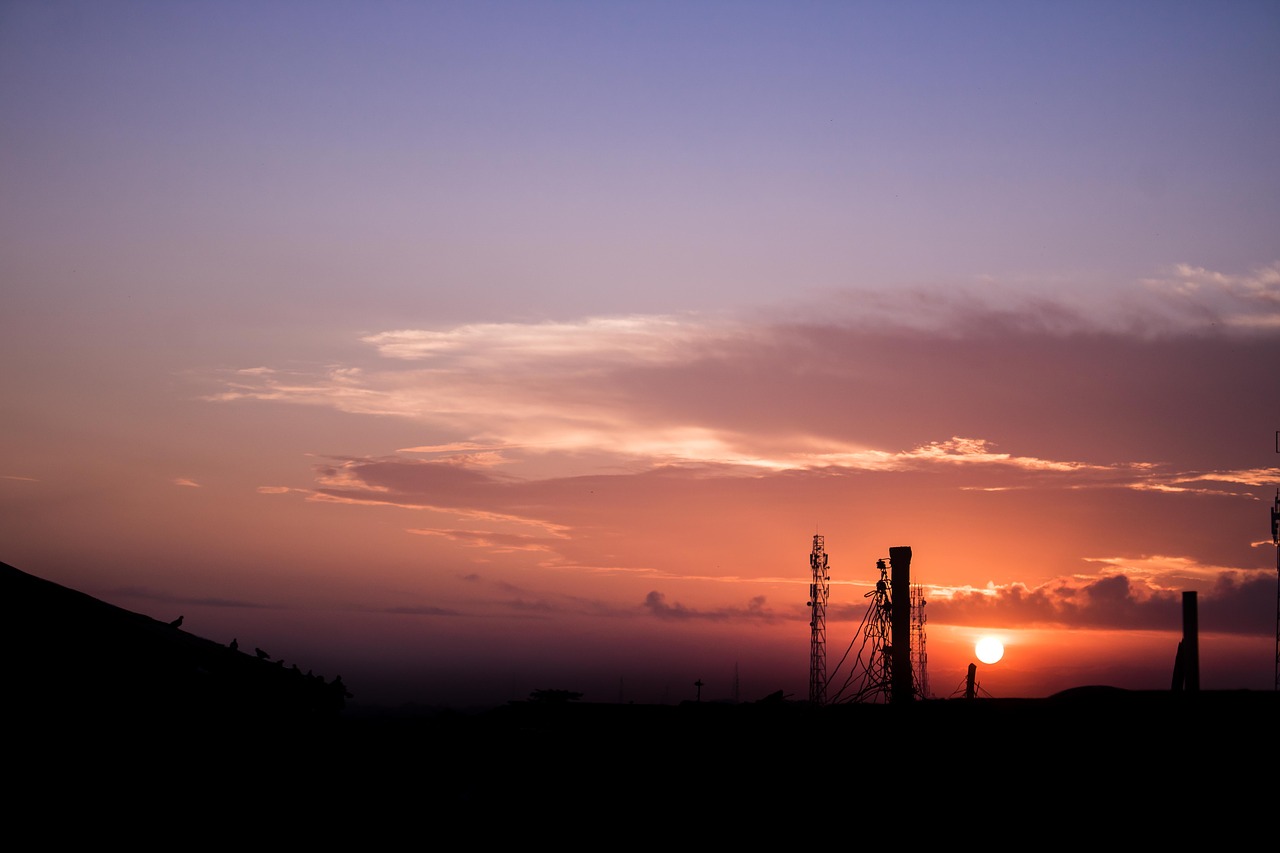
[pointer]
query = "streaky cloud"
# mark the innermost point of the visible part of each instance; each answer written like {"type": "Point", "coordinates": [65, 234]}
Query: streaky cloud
{"type": "Point", "coordinates": [498, 543]}
{"type": "Point", "coordinates": [756, 610]}
{"type": "Point", "coordinates": [423, 610]}
{"type": "Point", "coordinates": [636, 338]}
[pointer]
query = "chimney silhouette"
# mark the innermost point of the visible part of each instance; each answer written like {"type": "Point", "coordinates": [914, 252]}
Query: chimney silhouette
{"type": "Point", "coordinates": [900, 690]}
{"type": "Point", "coordinates": [1186, 666]}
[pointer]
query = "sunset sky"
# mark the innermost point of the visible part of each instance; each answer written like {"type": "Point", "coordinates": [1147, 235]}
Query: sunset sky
{"type": "Point", "coordinates": [464, 349]}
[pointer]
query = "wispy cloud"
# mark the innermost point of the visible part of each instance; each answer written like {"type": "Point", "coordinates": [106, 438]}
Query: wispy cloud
{"type": "Point", "coordinates": [498, 543]}
{"type": "Point", "coordinates": [1243, 301]}
{"type": "Point", "coordinates": [584, 344]}
{"type": "Point", "coordinates": [768, 396]}
{"type": "Point", "coordinates": [423, 610]}
{"type": "Point", "coordinates": [755, 610]}
{"type": "Point", "coordinates": [522, 601]}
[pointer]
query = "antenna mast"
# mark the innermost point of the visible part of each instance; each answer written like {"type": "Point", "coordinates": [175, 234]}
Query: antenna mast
{"type": "Point", "coordinates": [919, 660]}
{"type": "Point", "coordinates": [819, 593]}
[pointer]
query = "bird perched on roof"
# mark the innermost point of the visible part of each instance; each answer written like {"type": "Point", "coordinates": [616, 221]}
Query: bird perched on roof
{"type": "Point", "coordinates": [176, 623]}
{"type": "Point", "coordinates": [261, 654]}
{"type": "Point", "coordinates": [235, 644]}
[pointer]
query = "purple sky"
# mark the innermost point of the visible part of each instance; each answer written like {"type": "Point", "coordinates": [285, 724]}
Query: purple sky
{"type": "Point", "coordinates": [466, 349]}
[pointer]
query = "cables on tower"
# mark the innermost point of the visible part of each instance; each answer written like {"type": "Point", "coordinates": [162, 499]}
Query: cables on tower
{"type": "Point", "coordinates": [871, 659]}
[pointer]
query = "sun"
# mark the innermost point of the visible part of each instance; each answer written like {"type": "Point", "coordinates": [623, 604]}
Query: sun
{"type": "Point", "coordinates": [989, 649]}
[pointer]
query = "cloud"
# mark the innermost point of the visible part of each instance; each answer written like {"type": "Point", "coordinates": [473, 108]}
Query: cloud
{"type": "Point", "coordinates": [1247, 477]}
{"type": "Point", "coordinates": [614, 524]}
{"type": "Point", "coordinates": [755, 610]}
{"type": "Point", "coordinates": [497, 543]}
{"type": "Point", "coordinates": [1249, 301]}
{"type": "Point", "coordinates": [467, 451]}
{"type": "Point", "coordinates": [628, 339]}
{"type": "Point", "coordinates": [522, 601]}
{"type": "Point", "coordinates": [423, 611]}
{"type": "Point", "coordinates": [833, 392]}
{"type": "Point", "coordinates": [1234, 602]}
{"type": "Point", "coordinates": [183, 481]}
{"type": "Point", "coordinates": [588, 447]}
{"type": "Point", "coordinates": [281, 490]}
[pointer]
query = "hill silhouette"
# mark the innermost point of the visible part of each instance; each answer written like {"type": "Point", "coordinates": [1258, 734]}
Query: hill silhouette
{"type": "Point", "coordinates": [69, 654]}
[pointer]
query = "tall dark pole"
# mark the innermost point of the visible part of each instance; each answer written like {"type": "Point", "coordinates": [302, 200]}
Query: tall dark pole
{"type": "Point", "coordinates": [900, 690]}
{"type": "Point", "coordinates": [1190, 648]}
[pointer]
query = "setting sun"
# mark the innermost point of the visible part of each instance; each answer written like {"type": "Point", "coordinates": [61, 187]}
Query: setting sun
{"type": "Point", "coordinates": [989, 649]}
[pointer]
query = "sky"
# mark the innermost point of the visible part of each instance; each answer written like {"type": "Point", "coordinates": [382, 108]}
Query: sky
{"type": "Point", "coordinates": [467, 349]}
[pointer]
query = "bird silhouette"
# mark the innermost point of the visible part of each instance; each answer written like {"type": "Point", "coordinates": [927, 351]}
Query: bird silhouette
{"type": "Point", "coordinates": [176, 623]}
{"type": "Point", "coordinates": [235, 644]}
{"type": "Point", "coordinates": [261, 654]}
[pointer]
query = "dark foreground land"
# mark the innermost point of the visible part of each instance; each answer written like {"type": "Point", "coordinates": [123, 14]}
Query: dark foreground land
{"type": "Point", "coordinates": [1097, 764]}
{"type": "Point", "coordinates": [190, 733]}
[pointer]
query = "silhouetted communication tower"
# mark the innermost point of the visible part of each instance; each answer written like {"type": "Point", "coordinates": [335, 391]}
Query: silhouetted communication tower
{"type": "Point", "coordinates": [919, 659]}
{"type": "Point", "coordinates": [819, 593]}
{"type": "Point", "coordinates": [888, 657]}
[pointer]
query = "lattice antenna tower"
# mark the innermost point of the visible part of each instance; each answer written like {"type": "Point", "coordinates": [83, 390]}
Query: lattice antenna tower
{"type": "Point", "coordinates": [819, 594]}
{"type": "Point", "coordinates": [919, 660]}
